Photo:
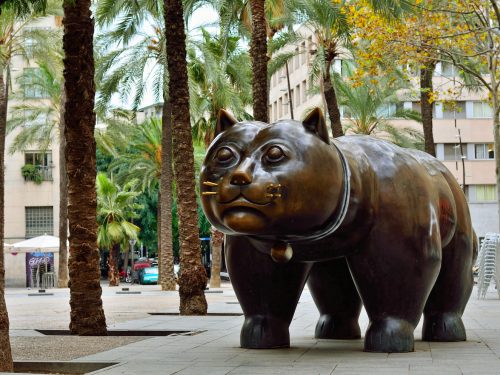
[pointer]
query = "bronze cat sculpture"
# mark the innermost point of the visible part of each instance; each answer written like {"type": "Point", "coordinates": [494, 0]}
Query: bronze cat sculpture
{"type": "Point", "coordinates": [360, 219]}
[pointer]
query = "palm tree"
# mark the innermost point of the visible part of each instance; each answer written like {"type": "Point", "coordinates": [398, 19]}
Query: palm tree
{"type": "Point", "coordinates": [369, 105]}
{"type": "Point", "coordinates": [14, 16]}
{"type": "Point", "coordinates": [23, 7]}
{"type": "Point", "coordinates": [219, 74]}
{"type": "Point", "coordinates": [261, 20]}
{"type": "Point", "coordinates": [114, 207]}
{"type": "Point", "coordinates": [138, 154]}
{"type": "Point", "coordinates": [87, 314]}
{"type": "Point", "coordinates": [332, 35]}
{"type": "Point", "coordinates": [123, 68]}
{"type": "Point", "coordinates": [258, 54]}
{"type": "Point", "coordinates": [193, 278]}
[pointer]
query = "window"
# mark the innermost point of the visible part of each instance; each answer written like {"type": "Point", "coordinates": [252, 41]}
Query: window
{"type": "Point", "coordinates": [311, 48]}
{"type": "Point", "coordinates": [29, 45]}
{"type": "Point", "coordinates": [303, 56]}
{"type": "Point", "coordinates": [389, 109]}
{"type": "Point", "coordinates": [296, 59]}
{"type": "Point", "coordinates": [484, 151]}
{"type": "Point", "coordinates": [304, 91]}
{"type": "Point", "coordinates": [280, 107]}
{"type": "Point", "coordinates": [39, 221]}
{"type": "Point", "coordinates": [415, 106]}
{"type": "Point", "coordinates": [275, 111]}
{"type": "Point", "coordinates": [32, 118]}
{"type": "Point", "coordinates": [452, 151]}
{"type": "Point", "coordinates": [482, 193]}
{"type": "Point", "coordinates": [30, 39]}
{"type": "Point", "coordinates": [32, 87]}
{"type": "Point", "coordinates": [42, 161]}
{"type": "Point", "coordinates": [346, 67]}
{"type": "Point", "coordinates": [345, 112]}
{"type": "Point", "coordinates": [455, 110]}
{"type": "Point", "coordinates": [282, 75]}
{"type": "Point", "coordinates": [447, 69]}
{"type": "Point", "coordinates": [481, 110]}
{"type": "Point", "coordinates": [286, 104]}
{"type": "Point", "coordinates": [297, 95]}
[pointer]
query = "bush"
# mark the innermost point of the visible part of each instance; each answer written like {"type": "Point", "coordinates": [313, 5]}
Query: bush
{"type": "Point", "coordinates": [31, 173]}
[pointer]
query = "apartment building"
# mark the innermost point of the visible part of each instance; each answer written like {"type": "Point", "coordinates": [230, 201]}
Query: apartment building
{"type": "Point", "coordinates": [32, 199]}
{"type": "Point", "coordinates": [463, 136]}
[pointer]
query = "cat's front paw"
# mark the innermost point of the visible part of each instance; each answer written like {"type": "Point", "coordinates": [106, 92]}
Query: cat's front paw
{"type": "Point", "coordinates": [264, 332]}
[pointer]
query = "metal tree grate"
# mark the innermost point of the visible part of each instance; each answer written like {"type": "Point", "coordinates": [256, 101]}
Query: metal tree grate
{"type": "Point", "coordinates": [489, 267]}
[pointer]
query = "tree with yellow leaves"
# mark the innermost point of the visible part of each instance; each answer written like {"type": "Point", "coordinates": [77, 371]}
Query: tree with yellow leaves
{"type": "Point", "coordinates": [413, 42]}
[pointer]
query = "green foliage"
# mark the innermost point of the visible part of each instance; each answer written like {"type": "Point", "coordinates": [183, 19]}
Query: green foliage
{"type": "Point", "coordinates": [129, 58]}
{"type": "Point", "coordinates": [115, 206]}
{"type": "Point", "coordinates": [219, 77]}
{"type": "Point", "coordinates": [23, 8]}
{"type": "Point", "coordinates": [141, 159]}
{"type": "Point", "coordinates": [367, 108]}
{"type": "Point", "coordinates": [147, 219]}
{"type": "Point", "coordinates": [31, 173]}
{"type": "Point", "coordinates": [103, 161]}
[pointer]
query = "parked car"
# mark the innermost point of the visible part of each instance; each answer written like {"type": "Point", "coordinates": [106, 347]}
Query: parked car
{"type": "Point", "coordinates": [148, 275]}
{"type": "Point", "coordinates": [137, 267]}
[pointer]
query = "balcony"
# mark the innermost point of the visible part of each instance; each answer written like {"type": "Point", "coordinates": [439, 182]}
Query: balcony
{"type": "Point", "coordinates": [37, 173]}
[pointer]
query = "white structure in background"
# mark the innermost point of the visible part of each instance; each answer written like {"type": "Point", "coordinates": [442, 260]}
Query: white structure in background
{"type": "Point", "coordinates": [31, 209]}
{"type": "Point", "coordinates": [489, 264]}
{"type": "Point", "coordinates": [473, 118]}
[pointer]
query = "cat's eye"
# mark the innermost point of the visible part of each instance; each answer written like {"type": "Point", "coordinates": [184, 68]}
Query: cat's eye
{"type": "Point", "coordinates": [224, 155]}
{"type": "Point", "coordinates": [274, 154]}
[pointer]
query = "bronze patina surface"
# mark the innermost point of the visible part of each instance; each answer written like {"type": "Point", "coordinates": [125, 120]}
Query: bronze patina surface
{"type": "Point", "coordinates": [360, 219]}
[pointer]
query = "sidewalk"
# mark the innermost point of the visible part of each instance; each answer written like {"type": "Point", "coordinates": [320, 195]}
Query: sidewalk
{"type": "Point", "coordinates": [214, 348]}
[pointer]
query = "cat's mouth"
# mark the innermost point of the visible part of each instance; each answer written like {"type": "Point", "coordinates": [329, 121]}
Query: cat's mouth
{"type": "Point", "coordinates": [242, 201]}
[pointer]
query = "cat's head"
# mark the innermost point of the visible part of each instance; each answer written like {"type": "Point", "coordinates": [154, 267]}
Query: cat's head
{"type": "Point", "coordinates": [270, 179]}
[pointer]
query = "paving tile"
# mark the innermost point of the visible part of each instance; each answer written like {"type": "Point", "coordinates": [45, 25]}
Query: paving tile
{"type": "Point", "coordinates": [217, 350]}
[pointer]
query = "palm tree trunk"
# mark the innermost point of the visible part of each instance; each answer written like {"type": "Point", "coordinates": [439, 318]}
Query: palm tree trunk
{"type": "Point", "coordinates": [426, 89]}
{"type": "Point", "coordinates": [258, 54]}
{"type": "Point", "coordinates": [6, 364]}
{"type": "Point", "coordinates": [87, 314]}
{"type": "Point", "coordinates": [63, 202]}
{"type": "Point", "coordinates": [158, 233]}
{"type": "Point", "coordinates": [331, 102]}
{"type": "Point", "coordinates": [217, 238]}
{"type": "Point", "coordinates": [113, 274]}
{"type": "Point", "coordinates": [193, 278]}
{"type": "Point", "coordinates": [167, 276]}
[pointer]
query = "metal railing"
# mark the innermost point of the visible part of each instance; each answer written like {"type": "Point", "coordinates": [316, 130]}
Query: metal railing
{"type": "Point", "coordinates": [45, 173]}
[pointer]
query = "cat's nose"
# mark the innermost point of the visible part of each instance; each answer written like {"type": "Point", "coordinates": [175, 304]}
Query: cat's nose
{"type": "Point", "coordinates": [243, 173]}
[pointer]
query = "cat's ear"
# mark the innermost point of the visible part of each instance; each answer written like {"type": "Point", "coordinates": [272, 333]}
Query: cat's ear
{"type": "Point", "coordinates": [224, 121]}
{"type": "Point", "coordinates": [315, 123]}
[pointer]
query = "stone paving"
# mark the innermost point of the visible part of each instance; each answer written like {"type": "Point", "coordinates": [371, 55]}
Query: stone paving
{"type": "Point", "coordinates": [214, 350]}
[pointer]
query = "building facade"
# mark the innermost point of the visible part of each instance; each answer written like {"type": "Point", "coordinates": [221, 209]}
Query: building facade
{"type": "Point", "coordinates": [463, 135]}
{"type": "Point", "coordinates": [31, 181]}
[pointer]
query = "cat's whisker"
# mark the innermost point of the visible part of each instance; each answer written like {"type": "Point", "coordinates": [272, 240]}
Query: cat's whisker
{"type": "Point", "coordinates": [209, 193]}
{"type": "Point", "coordinates": [210, 183]}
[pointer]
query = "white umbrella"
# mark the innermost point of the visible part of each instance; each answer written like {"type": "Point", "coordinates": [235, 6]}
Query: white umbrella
{"type": "Point", "coordinates": [42, 244]}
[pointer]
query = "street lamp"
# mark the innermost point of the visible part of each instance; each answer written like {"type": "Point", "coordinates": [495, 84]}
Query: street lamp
{"type": "Point", "coordinates": [132, 242]}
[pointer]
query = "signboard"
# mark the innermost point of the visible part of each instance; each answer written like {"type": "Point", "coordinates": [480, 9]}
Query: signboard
{"type": "Point", "coordinates": [36, 265]}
